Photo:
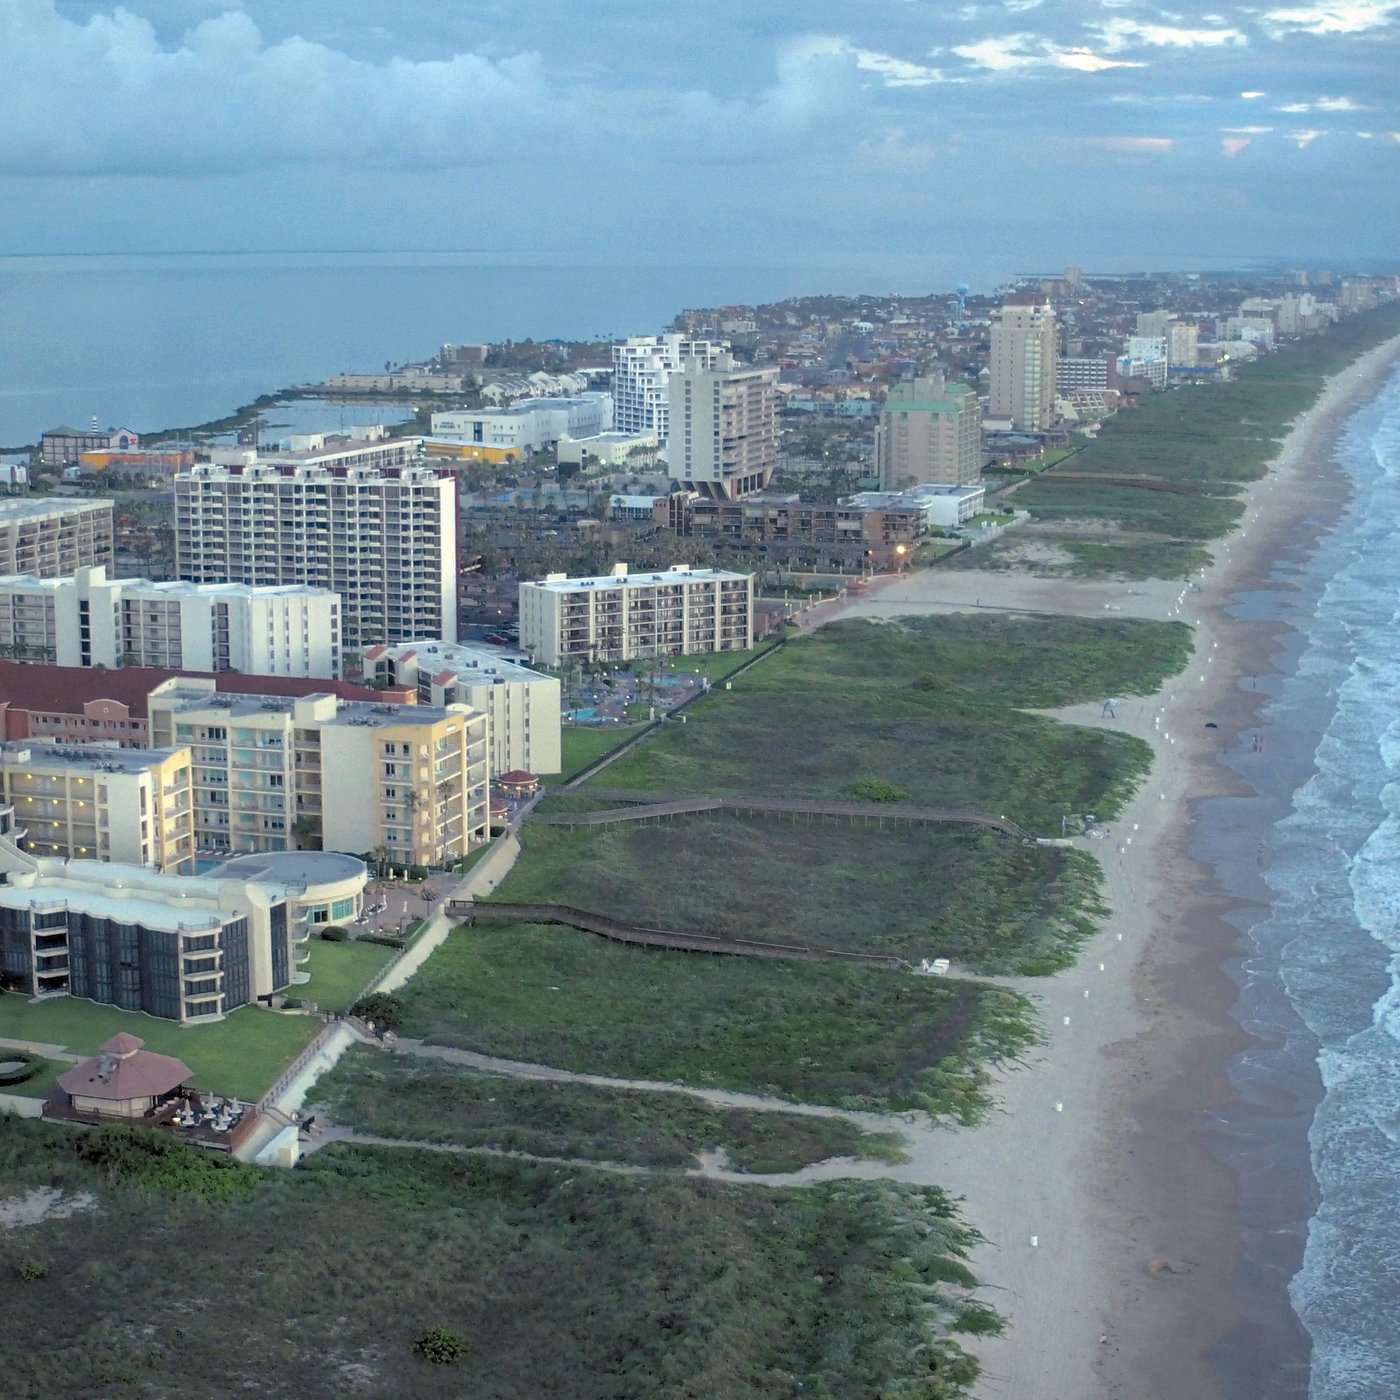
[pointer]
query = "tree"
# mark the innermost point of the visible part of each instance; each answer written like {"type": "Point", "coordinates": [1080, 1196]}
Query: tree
{"type": "Point", "coordinates": [440, 1345]}
{"type": "Point", "coordinates": [380, 1008]}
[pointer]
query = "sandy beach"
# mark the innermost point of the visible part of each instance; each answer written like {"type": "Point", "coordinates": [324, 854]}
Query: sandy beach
{"type": "Point", "coordinates": [1112, 1237]}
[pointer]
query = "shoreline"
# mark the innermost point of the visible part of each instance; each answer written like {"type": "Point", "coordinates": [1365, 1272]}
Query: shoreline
{"type": "Point", "coordinates": [1116, 1248]}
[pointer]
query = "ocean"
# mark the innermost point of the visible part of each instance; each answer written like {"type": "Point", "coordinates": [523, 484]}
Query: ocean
{"type": "Point", "coordinates": [1321, 984]}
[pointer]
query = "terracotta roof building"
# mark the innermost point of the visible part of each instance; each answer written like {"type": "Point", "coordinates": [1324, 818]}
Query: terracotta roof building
{"type": "Point", "coordinates": [123, 1080]}
{"type": "Point", "coordinates": [79, 704]}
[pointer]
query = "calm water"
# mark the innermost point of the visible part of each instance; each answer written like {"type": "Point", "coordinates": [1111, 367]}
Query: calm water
{"type": "Point", "coordinates": [1333, 940]}
{"type": "Point", "coordinates": [161, 341]}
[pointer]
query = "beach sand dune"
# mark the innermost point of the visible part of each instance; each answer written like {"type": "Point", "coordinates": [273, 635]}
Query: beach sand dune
{"type": "Point", "coordinates": [1111, 1240]}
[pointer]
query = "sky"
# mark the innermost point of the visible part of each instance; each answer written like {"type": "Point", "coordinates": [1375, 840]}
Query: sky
{"type": "Point", "coordinates": [1041, 130]}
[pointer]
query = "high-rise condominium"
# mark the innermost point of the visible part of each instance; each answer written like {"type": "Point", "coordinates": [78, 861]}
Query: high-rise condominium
{"type": "Point", "coordinates": [642, 367]}
{"type": "Point", "coordinates": [724, 428]}
{"type": "Point", "coordinates": [385, 540]}
{"type": "Point", "coordinates": [930, 434]}
{"type": "Point", "coordinates": [1024, 354]}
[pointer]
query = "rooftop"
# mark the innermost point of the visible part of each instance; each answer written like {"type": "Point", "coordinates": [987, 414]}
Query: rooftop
{"type": "Point", "coordinates": [299, 869]}
{"type": "Point", "coordinates": [123, 1070]}
{"type": "Point", "coordinates": [469, 662]}
{"type": "Point", "coordinates": [558, 583]}
{"type": "Point", "coordinates": [378, 712]}
{"type": "Point", "coordinates": [66, 689]}
{"type": "Point", "coordinates": [28, 509]}
{"type": "Point", "coordinates": [89, 758]}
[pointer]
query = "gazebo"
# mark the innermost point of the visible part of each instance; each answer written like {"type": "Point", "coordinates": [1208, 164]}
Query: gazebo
{"type": "Point", "coordinates": [518, 782]}
{"type": "Point", "coordinates": [123, 1080]}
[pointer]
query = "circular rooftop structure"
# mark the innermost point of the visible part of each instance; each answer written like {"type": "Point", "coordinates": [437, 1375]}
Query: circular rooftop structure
{"type": "Point", "coordinates": [306, 869]}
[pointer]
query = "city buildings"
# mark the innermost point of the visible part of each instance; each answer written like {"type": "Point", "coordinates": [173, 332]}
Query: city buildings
{"type": "Point", "coordinates": [61, 447]}
{"type": "Point", "coordinates": [1023, 357]}
{"type": "Point", "coordinates": [930, 434]}
{"type": "Point", "coordinates": [525, 427]}
{"type": "Point", "coordinates": [184, 948]}
{"type": "Point", "coordinates": [723, 436]}
{"type": "Point", "coordinates": [935, 507]}
{"type": "Point", "coordinates": [384, 539]}
{"type": "Point", "coordinates": [1183, 337]}
{"type": "Point", "coordinates": [521, 706]}
{"type": "Point", "coordinates": [78, 705]}
{"type": "Point", "coordinates": [91, 620]}
{"type": "Point", "coordinates": [51, 538]}
{"type": "Point", "coordinates": [96, 803]}
{"type": "Point", "coordinates": [610, 451]}
{"type": "Point", "coordinates": [1079, 374]}
{"type": "Point", "coordinates": [274, 772]}
{"type": "Point", "coordinates": [642, 368]}
{"type": "Point", "coordinates": [783, 530]}
{"type": "Point", "coordinates": [621, 617]}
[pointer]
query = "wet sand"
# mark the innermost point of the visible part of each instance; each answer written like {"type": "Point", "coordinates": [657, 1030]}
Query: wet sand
{"type": "Point", "coordinates": [1107, 1185]}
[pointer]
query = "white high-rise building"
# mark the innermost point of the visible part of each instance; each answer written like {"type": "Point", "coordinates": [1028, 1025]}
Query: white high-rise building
{"type": "Point", "coordinates": [1183, 338]}
{"type": "Point", "coordinates": [91, 620]}
{"type": "Point", "coordinates": [385, 540]}
{"type": "Point", "coordinates": [50, 538]}
{"type": "Point", "coordinates": [724, 427]}
{"type": "Point", "coordinates": [642, 367]}
{"type": "Point", "coordinates": [1024, 354]}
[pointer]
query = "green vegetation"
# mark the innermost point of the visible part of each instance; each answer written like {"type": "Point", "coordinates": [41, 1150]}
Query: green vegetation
{"type": "Point", "coordinates": [340, 971]}
{"type": "Point", "coordinates": [156, 1163]}
{"type": "Point", "coordinates": [582, 745]}
{"type": "Point", "coordinates": [565, 1282]}
{"type": "Point", "coordinates": [428, 1101]}
{"type": "Point", "coordinates": [241, 1055]}
{"type": "Point", "coordinates": [440, 1345]}
{"type": "Point", "coordinates": [850, 1036]}
{"type": "Point", "coordinates": [959, 892]}
{"type": "Point", "coordinates": [924, 706]}
{"type": "Point", "coordinates": [381, 1009]}
{"type": "Point", "coordinates": [1203, 444]}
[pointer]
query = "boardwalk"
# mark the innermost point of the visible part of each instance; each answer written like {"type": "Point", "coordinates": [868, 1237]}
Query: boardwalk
{"type": "Point", "coordinates": [649, 806]}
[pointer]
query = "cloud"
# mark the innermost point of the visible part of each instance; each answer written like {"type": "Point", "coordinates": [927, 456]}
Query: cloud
{"type": "Point", "coordinates": [1011, 51]}
{"type": "Point", "coordinates": [1133, 145]}
{"type": "Point", "coordinates": [1322, 104]}
{"type": "Point", "coordinates": [1304, 138]}
{"type": "Point", "coordinates": [1231, 146]}
{"type": "Point", "coordinates": [897, 72]}
{"type": "Point", "coordinates": [105, 97]}
{"type": "Point", "coordinates": [1118, 34]}
{"type": "Point", "coordinates": [1253, 96]}
{"type": "Point", "coordinates": [1340, 17]}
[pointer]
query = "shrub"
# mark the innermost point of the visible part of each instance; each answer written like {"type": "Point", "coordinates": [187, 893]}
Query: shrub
{"type": "Point", "coordinates": [381, 1008]}
{"type": "Point", "coordinates": [979, 1320]}
{"type": "Point", "coordinates": [440, 1345]}
{"type": "Point", "coordinates": [145, 1160]}
{"type": "Point", "coordinates": [29, 1270]}
{"type": "Point", "coordinates": [333, 933]}
{"type": "Point", "coordinates": [384, 940]}
{"type": "Point", "coordinates": [874, 790]}
{"type": "Point", "coordinates": [27, 1066]}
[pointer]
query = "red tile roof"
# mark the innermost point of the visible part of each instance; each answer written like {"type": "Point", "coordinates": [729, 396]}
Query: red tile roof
{"type": "Point", "coordinates": [122, 1070]}
{"type": "Point", "coordinates": [66, 689]}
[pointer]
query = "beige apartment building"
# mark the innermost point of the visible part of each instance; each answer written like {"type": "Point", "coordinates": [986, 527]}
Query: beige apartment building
{"type": "Point", "coordinates": [274, 772]}
{"type": "Point", "coordinates": [930, 434]}
{"type": "Point", "coordinates": [384, 539]}
{"type": "Point", "coordinates": [51, 538]}
{"type": "Point", "coordinates": [723, 435]}
{"type": "Point", "coordinates": [628, 617]}
{"type": "Point", "coordinates": [1025, 349]}
{"type": "Point", "coordinates": [89, 803]}
{"type": "Point", "coordinates": [91, 620]}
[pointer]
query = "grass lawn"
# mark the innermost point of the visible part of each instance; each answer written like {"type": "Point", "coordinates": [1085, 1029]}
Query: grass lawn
{"type": "Point", "coordinates": [925, 706]}
{"type": "Point", "coordinates": [918, 891]}
{"type": "Point", "coordinates": [848, 1036]}
{"type": "Point", "coordinates": [313, 1284]}
{"type": "Point", "coordinates": [241, 1055]}
{"type": "Point", "coordinates": [716, 665]}
{"type": "Point", "coordinates": [339, 972]}
{"type": "Point", "coordinates": [428, 1101]}
{"type": "Point", "coordinates": [44, 1078]}
{"type": "Point", "coordinates": [583, 744]}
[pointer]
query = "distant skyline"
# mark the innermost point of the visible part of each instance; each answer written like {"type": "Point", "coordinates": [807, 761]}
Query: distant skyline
{"type": "Point", "coordinates": [1026, 131]}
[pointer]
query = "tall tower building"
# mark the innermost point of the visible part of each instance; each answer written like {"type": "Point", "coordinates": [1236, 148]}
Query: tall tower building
{"type": "Point", "coordinates": [642, 367]}
{"type": "Point", "coordinates": [930, 434]}
{"type": "Point", "coordinates": [384, 539]}
{"type": "Point", "coordinates": [1025, 350]}
{"type": "Point", "coordinates": [724, 427]}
